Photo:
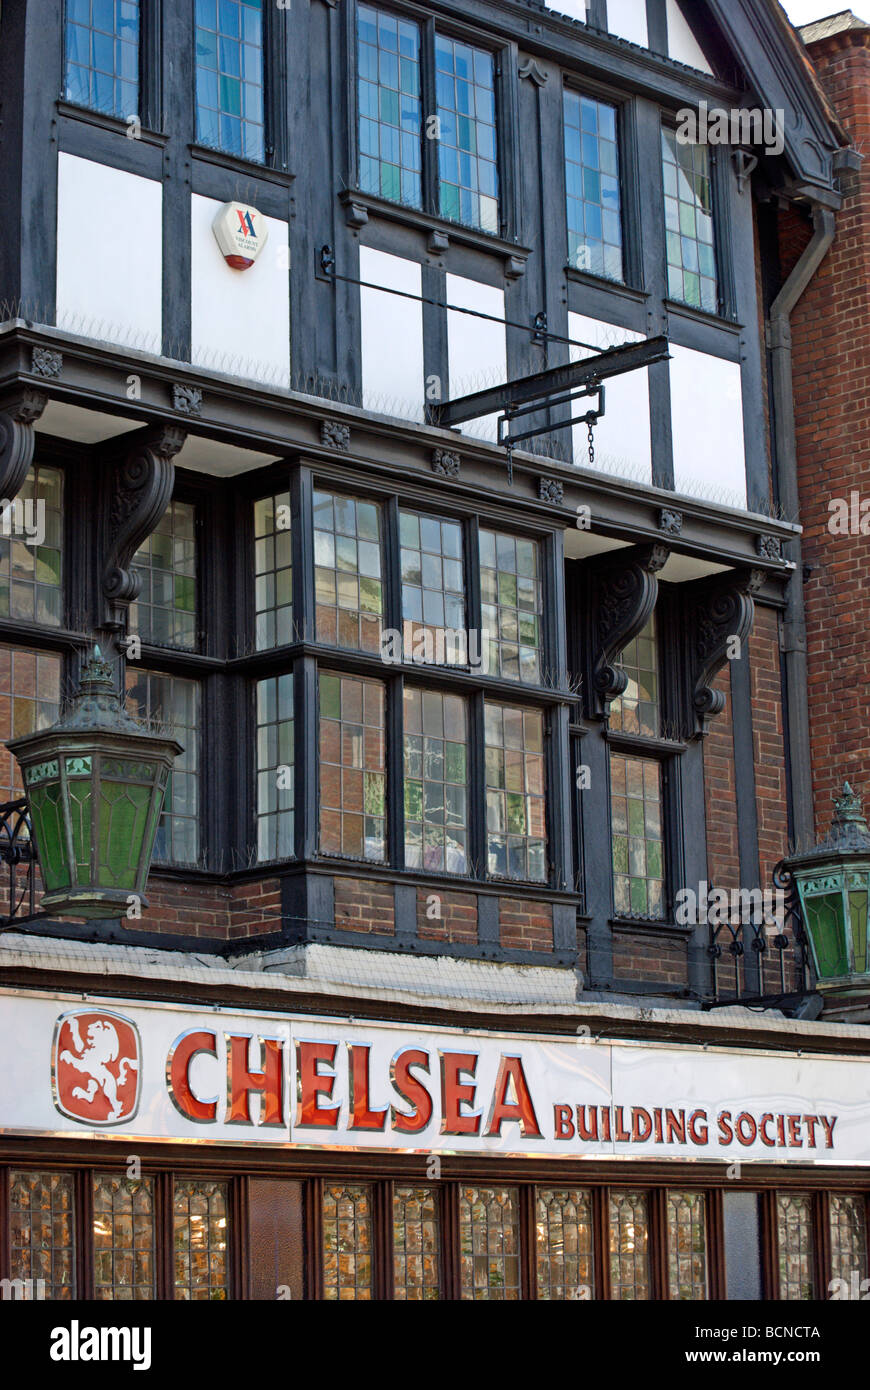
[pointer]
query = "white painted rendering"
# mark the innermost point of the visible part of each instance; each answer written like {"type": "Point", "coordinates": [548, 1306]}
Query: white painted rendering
{"type": "Point", "coordinates": [576, 9]}
{"type": "Point", "coordinates": [707, 421]}
{"type": "Point", "coordinates": [220, 460]}
{"type": "Point", "coordinates": [392, 335]}
{"type": "Point", "coordinates": [682, 44]}
{"type": "Point", "coordinates": [684, 569]}
{"type": "Point", "coordinates": [240, 319]}
{"type": "Point", "coordinates": [627, 19]}
{"type": "Point", "coordinates": [476, 347]}
{"type": "Point", "coordinates": [84, 426]}
{"type": "Point", "coordinates": [109, 254]}
{"type": "Point", "coordinates": [579, 545]}
{"type": "Point", "coordinates": [622, 438]}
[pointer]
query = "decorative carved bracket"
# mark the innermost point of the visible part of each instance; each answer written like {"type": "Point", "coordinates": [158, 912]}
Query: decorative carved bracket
{"type": "Point", "coordinates": [720, 610]}
{"type": "Point", "coordinates": [141, 489]}
{"type": "Point", "coordinates": [624, 594]}
{"type": "Point", "coordinates": [18, 415]}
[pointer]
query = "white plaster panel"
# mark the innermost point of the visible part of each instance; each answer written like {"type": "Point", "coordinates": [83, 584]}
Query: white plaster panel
{"type": "Point", "coordinates": [627, 19]}
{"type": "Point", "coordinates": [392, 335]}
{"type": "Point", "coordinates": [575, 9]}
{"type": "Point", "coordinates": [476, 347]}
{"type": "Point", "coordinates": [707, 421]}
{"type": "Point", "coordinates": [683, 47]}
{"type": "Point", "coordinates": [622, 437]}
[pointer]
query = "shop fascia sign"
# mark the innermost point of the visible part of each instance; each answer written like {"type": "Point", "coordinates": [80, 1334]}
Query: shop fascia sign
{"type": "Point", "coordinates": [164, 1073]}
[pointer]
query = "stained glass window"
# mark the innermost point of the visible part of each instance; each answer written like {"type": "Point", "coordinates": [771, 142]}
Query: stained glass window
{"type": "Point", "coordinates": [629, 1246]}
{"type": "Point", "coordinates": [638, 711]}
{"type": "Point", "coordinates": [349, 591]}
{"type": "Point", "coordinates": [515, 802]}
{"type": "Point", "coordinates": [687, 1246]}
{"type": "Point", "coordinates": [352, 768]}
{"type": "Point", "coordinates": [388, 57]}
{"type": "Point", "coordinates": [165, 612]}
{"type": "Point", "coordinates": [794, 1213]}
{"type": "Point", "coordinates": [273, 571]}
{"type": "Point", "coordinates": [592, 184]}
{"type": "Point", "coordinates": [42, 1233]}
{"type": "Point", "coordinates": [689, 223]}
{"type": "Point", "coordinates": [565, 1249]}
{"type": "Point", "coordinates": [102, 55]}
{"type": "Point", "coordinates": [29, 700]}
{"type": "Point", "coordinates": [468, 174]}
{"type": "Point", "coordinates": [510, 590]}
{"type": "Point", "coordinates": [489, 1243]}
{"type": "Point", "coordinates": [347, 1241]}
{"type": "Point", "coordinates": [848, 1221]}
{"type": "Point", "coordinates": [416, 1240]}
{"type": "Point", "coordinates": [433, 590]}
{"type": "Point", "coordinates": [199, 1209]}
{"type": "Point", "coordinates": [171, 704]}
{"type": "Point", "coordinates": [638, 844]}
{"type": "Point", "coordinates": [31, 550]}
{"type": "Point", "coordinates": [124, 1229]}
{"type": "Point", "coordinates": [229, 76]}
{"type": "Point", "coordinates": [275, 768]}
{"type": "Point", "coordinates": [436, 781]}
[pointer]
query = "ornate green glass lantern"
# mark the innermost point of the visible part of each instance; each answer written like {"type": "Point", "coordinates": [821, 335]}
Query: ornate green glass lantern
{"type": "Point", "coordinates": [94, 784]}
{"type": "Point", "coordinates": [833, 881]}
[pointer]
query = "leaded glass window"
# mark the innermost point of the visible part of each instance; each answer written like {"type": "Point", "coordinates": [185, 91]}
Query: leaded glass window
{"type": "Point", "coordinates": [275, 768]}
{"type": "Point", "coordinates": [165, 612]}
{"type": "Point", "coordinates": [848, 1222]}
{"type": "Point", "coordinates": [273, 571]}
{"type": "Point", "coordinates": [171, 704]}
{"type": "Point", "coordinates": [390, 149]}
{"type": "Point", "coordinates": [199, 1220]}
{"type": "Point", "coordinates": [102, 55]}
{"type": "Point", "coordinates": [347, 1241]}
{"type": "Point", "coordinates": [416, 1242]}
{"type": "Point", "coordinates": [124, 1230]}
{"type": "Point", "coordinates": [687, 1246]}
{"type": "Point", "coordinates": [796, 1245]}
{"type": "Point", "coordinates": [468, 174]}
{"type": "Point", "coordinates": [592, 185]}
{"type": "Point", "coordinates": [629, 1246]}
{"type": "Point", "coordinates": [29, 700]}
{"type": "Point", "coordinates": [515, 799]}
{"type": "Point", "coordinates": [349, 590]}
{"type": "Point", "coordinates": [689, 225]}
{"type": "Point", "coordinates": [436, 781]}
{"type": "Point", "coordinates": [352, 768]}
{"type": "Point", "coordinates": [489, 1243]}
{"type": "Point", "coordinates": [31, 550]}
{"type": "Point", "coordinates": [42, 1233]}
{"type": "Point", "coordinates": [229, 76]}
{"type": "Point", "coordinates": [433, 590]}
{"type": "Point", "coordinates": [638, 711]}
{"type": "Point", "coordinates": [511, 605]}
{"type": "Point", "coordinates": [565, 1247]}
{"type": "Point", "coordinates": [637, 835]}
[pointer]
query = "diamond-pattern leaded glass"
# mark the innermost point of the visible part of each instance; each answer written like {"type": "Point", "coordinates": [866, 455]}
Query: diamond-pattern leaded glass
{"type": "Point", "coordinates": [124, 1230]}
{"type": "Point", "coordinates": [489, 1243]}
{"type": "Point", "coordinates": [416, 1241]}
{"type": "Point", "coordinates": [638, 843]}
{"type": "Point", "coordinates": [510, 591]}
{"type": "Point", "coordinates": [199, 1212]}
{"type": "Point", "coordinates": [229, 76]}
{"type": "Point", "coordinates": [795, 1241]}
{"type": "Point", "coordinates": [29, 700]}
{"type": "Point", "coordinates": [565, 1256]}
{"type": "Point", "coordinates": [172, 703]}
{"type": "Point", "coordinates": [638, 711]}
{"type": "Point", "coordinates": [275, 768]}
{"type": "Point", "coordinates": [689, 225]}
{"type": "Point", "coordinates": [390, 150]}
{"type": "Point", "coordinates": [433, 589]}
{"type": "Point", "coordinates": [349, 591]}
{"type": "Point", "coordinates": [165, 612]}
{"type": "Point", "coordinates": [629, 1246]}
{"type": "Point", "coordinates": [31, 550]}
{"type": "Point", "coordinates": [468, 174]}
{"type": "Point", "coordinates": [436, 781]}
{"type": "Point", "coordinates": [42, 1233]}
{"type": "Point", "coordinates": [347, 1241]}
{"type": "Point", "coordinates": [687, 1246]}
{"type": "Point", "coordinates": [592, 184]}
{"type": "Point", "coordinates": [102, 55]}
{"type": "Point", "coordinates": [848, 1220]}
{"type": "Point", "coordinates": [515, 802]}
{"type": "Point", "coordinates": [273, 571]}
{"type": "Point", "coordinates": [352, 768]}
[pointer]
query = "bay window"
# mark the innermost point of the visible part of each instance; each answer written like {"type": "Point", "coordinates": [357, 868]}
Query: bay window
{"type": "Point", "coordinates": [594, 203]}
{"type": "Point", "coordinates": [689, 222]}
{"type": "Point", "coordinates": [229, 76]}
{"type": "Point", "coordinates": [102, 55]}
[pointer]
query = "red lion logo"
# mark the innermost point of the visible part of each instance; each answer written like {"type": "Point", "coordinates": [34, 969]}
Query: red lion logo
{"type": "Point", "coordinates": [95, 1067]}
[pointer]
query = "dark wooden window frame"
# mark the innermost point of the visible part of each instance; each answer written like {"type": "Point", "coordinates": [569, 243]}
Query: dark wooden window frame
{"type": "Point", "coordinates": [723, 247]}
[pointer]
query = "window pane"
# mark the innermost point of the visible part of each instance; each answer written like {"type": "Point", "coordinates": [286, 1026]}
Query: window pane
{"type": "Point", "coordinates": [353, 811]}
{"type": "Point", "coordinates": [199, 1210]}
{"type": "Point", "coordinates": [42, 1233]}
{"type": "Point", "coordinates": [433, 591]}
{"type": "Point", "coordinates": [171, 704]}
{"type": "Point", "coordinates": [637, 837]}
{"type": "Point", "coordinates": [565, 1244]}
{"type": "Point", "coordinates": [347, 1241]}
{"type": "Point", "coordinates": [848, 1239]}
{"type": "Point", "coordinates": [273, 571]}
{"type": "Point", "coordinates": [31, 550]}
{"type": "Point", "coordinates": [29, 700]}
{"type": "Point", "coordinates": [629, 1246]}
{"type": "Point", "coordinates": [275, 769]}
{"type": "Point", "coordinates": [516, 823]}
{"type": "Point", "coordinates": [638, 711]}
{"type": "Point", "coordinates": [687, 1245]}
{"type": "Point", "coordinates": [510, 591]}
{"type": "Point", "coordinates": [436, 781]}
{"type": "Point", "coordinates": [416, 1242]}
{"type": "Point", "coordinates": [794, 1220]}
{"type": "Point", "coordinates": [467, 167]}
{"type": "Point", "coordinates": [165, 612]}
{"type": "Point", "coordinates": [229, 77]}
{"type": "Point", "coordinates": [489, 1243]}
{"type": "Point", "coordinates": [102, 55]}
{"type": "Point", "coordinates": [349, 591]}
{"type": "Point", "coordinates": [388, 93]}
{"type": "Point", "coordinates": [691, 252]}
{"type": "Point", "coordinates": [123, 1237]}
{"type": "Point", "coordinates": [592, 186]}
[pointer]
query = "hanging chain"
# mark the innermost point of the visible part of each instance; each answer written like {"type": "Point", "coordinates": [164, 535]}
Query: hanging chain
{"type": "Point", "coordinates": [591, 444]}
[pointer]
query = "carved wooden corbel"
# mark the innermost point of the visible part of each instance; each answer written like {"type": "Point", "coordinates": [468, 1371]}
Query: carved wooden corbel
{"type": "Point", "coordinates": [140, 491]}
{"type": "Point", "coordinates": [18, 415]}
{"type": "Point", "coordinates": [721, 613]}
{"type": "Point", "coordinates": [623, 595]}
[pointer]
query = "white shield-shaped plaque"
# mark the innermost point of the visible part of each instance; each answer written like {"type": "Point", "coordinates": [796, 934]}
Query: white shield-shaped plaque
{"type": "Point", "coordinates": [241, 233]}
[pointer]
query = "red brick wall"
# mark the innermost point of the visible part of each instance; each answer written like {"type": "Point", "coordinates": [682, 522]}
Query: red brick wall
{"type": "Point", "coordinates": [362, 905]}
{"type": "Point", "coordinates": [457, 921]}
{"type": "Point", "coordinates": [639, 957]}
{"type": "Point", "coordinates": [525, 925]}
{"type": "Point", "coordinates": [768, 741]}
{"type": "Point", "coordinates": [723, 858]}
{"type": "Point", "coordinates": [209, 909]}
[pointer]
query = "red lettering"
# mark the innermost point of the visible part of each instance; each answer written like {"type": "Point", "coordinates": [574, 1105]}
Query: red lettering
{"type": "Point", "coordinates": [563, 1124]}
{"type": "Point", "coordinates": [640, 1117]}
{"type": "Point", "coordinates": [726, 1133]}
{"type": "Point", "coordinates": [762, 1131]}
{"type": "Point", "coordinates": [657, 1116]}
{"type": "Point", "coordinates": [313, 1083]}
{"type": "Point", "coordinates": [622, 1135]}
{"type": "Point", "coordinates": [794, 1138]}
{"type": "Point", "coordinates": [411, 1090]}
{"type": "Point", "coordinates": [828, 1127]}
{"type": "Point", "coordinates": [780, 1131]}
{"type": "Point", "coordinates": [811, 1121]}
{"type": "Point", "coordinates": [740, 1126]}
{"type": "Point", "coordinates": [241, 1082]}
{"type": "Point", "coordinates": [675, 1124]}
{"type": "Point", "coordinates": [587, 1131]}
{"type": "Point", "coordinates": [605, 1122]}
{"type": "Point", "coordinates": [181, 1054]}
{"type": "Point", "coordinates": [510, 1073]}
{"type": "Point", "coordinates": [361, 1114]}
{"type": "Point", "coordinates": [698, 1131]}
{"type": "Point", "coordinates": [454, 1094]}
